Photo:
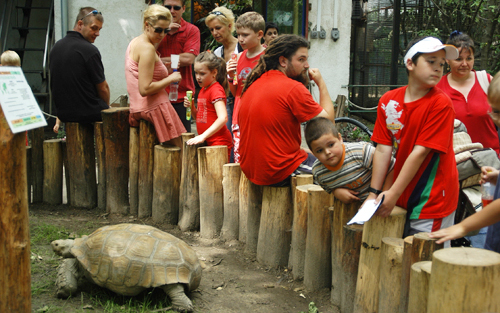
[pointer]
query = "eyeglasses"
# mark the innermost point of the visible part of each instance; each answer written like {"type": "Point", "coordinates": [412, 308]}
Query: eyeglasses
{"type": "Point", "coordinates": [176, 7]}
{"type": "Point", "coordinates": [217, 13]}
{"type": "Point", "coordinates": [159, 30]}
{"type": "Point", "coordinates": [94, 12]}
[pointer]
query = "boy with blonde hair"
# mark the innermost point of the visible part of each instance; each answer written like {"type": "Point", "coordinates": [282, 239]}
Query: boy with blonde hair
{"type": "Point", "coordinates": [489, 215]}
{"type": "Point", "coordinates": [10, 58]}
{"type": "Point", "coordinates": [416, 121]}
{"type": "Point", "coordinates": [250, 29]}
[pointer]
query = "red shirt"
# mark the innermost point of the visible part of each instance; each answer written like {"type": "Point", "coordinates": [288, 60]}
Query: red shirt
{"type": "Point", "coordinates": [185, 40]}
{"type": "Point", "coordinates": [271, 111]}
{"type": "Point", "coordinates": [428, 122]}
{"type": "Point", "coordinates": [207, 115]}
{"type": "Point", "coordinates": [473, 112]}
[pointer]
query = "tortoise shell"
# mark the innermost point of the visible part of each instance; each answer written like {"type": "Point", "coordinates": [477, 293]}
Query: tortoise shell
{"type": "Point", "coordinates": [128, 258]}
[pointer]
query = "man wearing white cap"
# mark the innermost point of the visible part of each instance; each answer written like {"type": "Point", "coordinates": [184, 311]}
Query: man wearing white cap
{"type": "Point", "coordinates": [416, 121]}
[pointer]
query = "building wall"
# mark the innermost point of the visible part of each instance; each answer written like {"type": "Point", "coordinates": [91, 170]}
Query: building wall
{"type": "Point", "coordinates": [329, 56]}
{"type": "Point", "coordinates": [122, 22]}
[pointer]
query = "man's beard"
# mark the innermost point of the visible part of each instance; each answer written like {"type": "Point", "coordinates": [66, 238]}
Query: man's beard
{"type": "Point", "coordinates": [303, 77]}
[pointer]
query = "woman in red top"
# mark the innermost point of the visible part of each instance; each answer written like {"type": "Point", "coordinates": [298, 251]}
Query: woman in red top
{"type": "Point", "coordinates": [469, 99]}
{"type": "Point", "coordinates": [211, 115]}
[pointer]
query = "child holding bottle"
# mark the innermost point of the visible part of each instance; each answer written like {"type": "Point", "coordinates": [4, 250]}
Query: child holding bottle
{"type": "Point", "coordinates": [211, 115]}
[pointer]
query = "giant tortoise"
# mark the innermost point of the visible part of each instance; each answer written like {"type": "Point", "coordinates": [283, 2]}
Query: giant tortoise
{"type": "Point", "coordinates": [127, 259]}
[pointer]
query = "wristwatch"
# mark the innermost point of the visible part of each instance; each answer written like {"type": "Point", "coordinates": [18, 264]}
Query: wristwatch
{"type": "Point", "coordinates": [375, 191]}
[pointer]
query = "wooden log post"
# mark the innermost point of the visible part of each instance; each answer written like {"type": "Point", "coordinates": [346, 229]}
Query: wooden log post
{"type": "Point", "coordinates": [231, 189]}
{"type": "Point", "coordinates": [350, 260]}
{"type": "Point", "coordinates": [253, 216]}
{"type": "Point", "coordinates": [420, 277]}
{"type": "Point", "coordinates": [342, 213]}
{"type": "Point", "coordinates": [166, 184]}
{"type": "Point", "coordinates": [147, 142]}
{"type": "Point", "coordinates": [189, 199]}
{"type": "Point", "coordinates": [133, 164]}
{"type": "Point", "coordinates": [29, 174]}
{"type": "Point", "coordinates": [101, 165]}
{"type": "Point", "coordinates": [52, 172]}
{"type": "Point", "coordinates": [37, 137]}
{"type": "Point", "coordinates": [243, 208]}
{"type": "Point", "coordinates": [391, 258]}
{"type": "Point", "coordinates": [116, 139]}
{"type": "Point", "coordinates": [66, 172]}
{"type": "Point", "coordinates": [299, 231]}
{"type": "Point", "coordinates": [471, 273]}
{"type": "Point", "coordinates": [273, 245]}
{"type": "Point", "coordinates": [81, 164]}
{"type": "Point", "coordinates": [367, 285]}
{"type": "Point", "coordinates": [15, 275]}
{"type": "Point", "coordinates": [405, 274]}
{"type": "Point", "coordinates": [317, 263]}
{"type": "Point", "coordinates": [210, 163]}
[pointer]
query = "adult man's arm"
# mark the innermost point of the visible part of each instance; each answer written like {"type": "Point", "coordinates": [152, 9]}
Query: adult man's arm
{"type": "Point", "coordinates": [103, 91]}
{"type": "Point", "coordinates": [324, 97]}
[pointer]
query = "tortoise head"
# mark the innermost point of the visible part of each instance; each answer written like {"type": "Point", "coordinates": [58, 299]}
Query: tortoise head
{"type": "Point", "coordinates": [62, 247]}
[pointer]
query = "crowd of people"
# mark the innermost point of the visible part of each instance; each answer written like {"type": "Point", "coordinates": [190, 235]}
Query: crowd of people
{"type": "Point", "coordinates": [253, 98]}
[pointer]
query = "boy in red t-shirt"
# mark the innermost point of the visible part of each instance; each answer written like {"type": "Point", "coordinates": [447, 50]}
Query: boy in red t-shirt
{"type": "Point", "coordinates": [417, 122]}
{"type": "Point", "coordinates": [250, 29]}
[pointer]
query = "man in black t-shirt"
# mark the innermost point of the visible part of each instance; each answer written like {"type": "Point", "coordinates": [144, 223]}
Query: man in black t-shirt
{"type": "Point", "coordinates": [78, 84]}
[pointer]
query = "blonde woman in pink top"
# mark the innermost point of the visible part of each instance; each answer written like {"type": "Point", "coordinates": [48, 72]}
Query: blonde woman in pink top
{"type": "Point", "coordinates": [147, 77]}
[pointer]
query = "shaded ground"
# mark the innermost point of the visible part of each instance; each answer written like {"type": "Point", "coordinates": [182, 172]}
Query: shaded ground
{"type": "Point", "coordinates": [232, 282]}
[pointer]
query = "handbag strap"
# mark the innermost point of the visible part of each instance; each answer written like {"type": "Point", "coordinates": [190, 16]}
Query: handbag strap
{"type": "Point", "coordinates": [482, 78]}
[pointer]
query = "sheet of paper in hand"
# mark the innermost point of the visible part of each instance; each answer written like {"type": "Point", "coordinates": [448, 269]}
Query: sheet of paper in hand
{"type": "Point", "coordinates": [366, 212]}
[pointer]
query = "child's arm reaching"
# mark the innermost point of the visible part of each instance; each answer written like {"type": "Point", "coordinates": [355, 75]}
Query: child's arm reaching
{"type": "Point", "coordinates": [57, 125]}
{"type": "Point", "coordinates": [220, 109]}
{"type": "Point", "coordinates": [487, 216]}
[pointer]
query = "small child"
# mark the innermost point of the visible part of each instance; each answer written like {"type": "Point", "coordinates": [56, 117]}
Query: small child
{"type": "Point", "coordinates": [270, 33]}
{"type": "Point", "coordinates": [344, 168]}
{"type": "Point", "coordinates": [417, 122]}
{"type": "Point", "coordinates": [211, 115]}
{"type": "Point", "coordinates": [250, 29]}
{"type": "Point", "coordinates": [10, 58]}
{"type": "Point", "coordinates": [489, 215]}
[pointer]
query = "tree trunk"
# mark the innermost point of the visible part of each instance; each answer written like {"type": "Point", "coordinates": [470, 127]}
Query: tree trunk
{"type": "Point", "coordinates": [366, 299]}
{"type": "Point", "coordinates": [419, 286]}
{"type": "Point", "coordinates": [29, 173]}
{"type": "Point", "coordinates": [254, 212]}
{"type": "Point", "coordinates": [350, 262]}
{"type": "Point", "coordinates": [101, 165]}
{"type": "Point", "coordinates": [133, 163]}
{"type": "Point", "coordinates": [231, 186]}
{"type": "Point", "coordinates": [405, 274]}
{"type": "Point", "coordinates": [210, 163]}
{"type": "Point", "coordinates": [189, 199]}
{"type": "Point", "coordinates": [66, 171]}
{"type": "Point", "coordinates": [166, 184]}
{"type": "Point", "coordinates": [52, 171]}
{"type": "Point", "coordinates": [147, 142]}
{"type": "Point", "coordinates": [243, 208]}
{"type": "Point", "coordinates": [318, 259]}
{"type": "Point", "coordinates": [15, 276]}
{"type": "Point", "coordinates": [471, 273]}
{"type": "Point", "coordinates": [390, 274]}
{"type": "Point", "coordinates": [116, 139]}
{"type": "Point", "coordinates": [81, 164]}
{"type": "Point", "coordinates": [273, 246]}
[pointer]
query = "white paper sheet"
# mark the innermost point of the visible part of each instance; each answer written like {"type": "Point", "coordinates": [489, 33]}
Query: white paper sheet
{"type": "Point", "coordinates": [366, 212]}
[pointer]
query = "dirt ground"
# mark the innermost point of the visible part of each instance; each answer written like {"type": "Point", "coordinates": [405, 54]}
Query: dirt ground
{"type": "Point", "coordinates": [233, 280]}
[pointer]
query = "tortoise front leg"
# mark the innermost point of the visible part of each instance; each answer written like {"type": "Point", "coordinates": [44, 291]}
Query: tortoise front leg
{"type": "Point", "coordinates": [180, 301]}
{"type": "Point", "coordinates": [67, 278]}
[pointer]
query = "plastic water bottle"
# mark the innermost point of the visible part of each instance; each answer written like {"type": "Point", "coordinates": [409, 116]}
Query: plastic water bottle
{"type": "Point", "coordinates": [487, 193]}
{"type": "Point", "coordinates": [174, 87]}
{"type": "Point", "coordinates": [189, 94]}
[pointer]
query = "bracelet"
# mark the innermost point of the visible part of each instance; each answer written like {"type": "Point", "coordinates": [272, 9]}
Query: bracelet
{"type": "Point", "coordinates": [375, 191]}
{"type": "Point", "coordinates": [230, 80]}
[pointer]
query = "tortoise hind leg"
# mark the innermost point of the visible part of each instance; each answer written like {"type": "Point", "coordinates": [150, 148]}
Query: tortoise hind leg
{"type": "Point", "coordinates": [180, 301]}
{"type": "Point", "coordinates": [67, 278]}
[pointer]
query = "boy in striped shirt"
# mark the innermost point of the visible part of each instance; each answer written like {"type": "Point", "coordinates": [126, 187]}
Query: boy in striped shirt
{"type": "Point", "coordinates": [342, 168]}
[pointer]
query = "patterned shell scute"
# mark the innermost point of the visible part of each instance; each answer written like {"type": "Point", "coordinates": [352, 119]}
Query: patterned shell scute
{"type": "Point", "coordinates": [128, 258]}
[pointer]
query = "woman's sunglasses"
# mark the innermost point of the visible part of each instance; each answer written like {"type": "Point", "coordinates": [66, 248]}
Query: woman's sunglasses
{"type": "Point", "coordinates": [176, 7]}
{"type": "Point", "coordinates": [160, 30]}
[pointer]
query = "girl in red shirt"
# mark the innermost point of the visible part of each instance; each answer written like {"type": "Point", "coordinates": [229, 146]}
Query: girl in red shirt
{"type": "Point", "coordinates": [211, 115]}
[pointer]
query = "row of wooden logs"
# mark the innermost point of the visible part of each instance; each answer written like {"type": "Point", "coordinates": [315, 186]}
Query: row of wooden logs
{"type": "Point", "coordinates": [368, 268]}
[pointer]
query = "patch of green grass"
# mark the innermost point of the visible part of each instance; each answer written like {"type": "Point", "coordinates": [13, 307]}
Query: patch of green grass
{"type": "Point", "coordinates": [43, 233]}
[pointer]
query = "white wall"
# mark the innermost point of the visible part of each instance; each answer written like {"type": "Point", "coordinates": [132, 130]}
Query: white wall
{"type": "Point", "coordinates": [331, 57]}
{"type": "Point", "coordinates": [122, 22]}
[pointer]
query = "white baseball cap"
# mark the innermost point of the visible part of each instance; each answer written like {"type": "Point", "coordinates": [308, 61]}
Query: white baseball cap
{"type": "Point", "coordinates": [429, 45]}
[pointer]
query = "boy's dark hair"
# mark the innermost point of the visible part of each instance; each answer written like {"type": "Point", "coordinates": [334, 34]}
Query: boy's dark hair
{"type": "Point", "coordinates": [213, 62]}
{"type": "Point", "coordinates": [318, 127]}
{"type": "Point", "coordinates": [271, 25]}
{"type": "Point", "coordinates": [461, 41]}
{"type": "Point", "coordinates": [418, 54]}
{"type": "Point", "coordinates": [284, 45]}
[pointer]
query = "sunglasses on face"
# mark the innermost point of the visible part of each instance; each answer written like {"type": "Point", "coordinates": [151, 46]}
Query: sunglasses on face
{"type": "Point", "coordinates": [176, 7]}
{"type": "Point", "coordinates": [160, 30]}
{"type": "Point", "coordinates": [94, 12]}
